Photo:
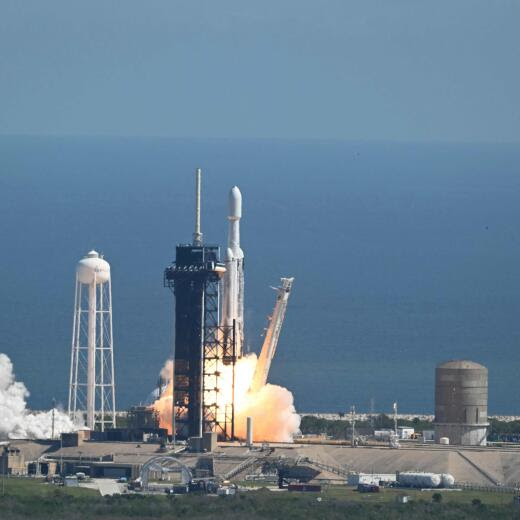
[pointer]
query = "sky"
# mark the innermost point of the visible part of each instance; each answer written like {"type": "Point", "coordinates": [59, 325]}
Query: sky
{"type": "Point", "coordinates": [398, 70]}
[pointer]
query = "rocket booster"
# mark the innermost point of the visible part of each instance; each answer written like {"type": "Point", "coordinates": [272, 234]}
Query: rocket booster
{"type": "Point", "coordinates": [233, 288]}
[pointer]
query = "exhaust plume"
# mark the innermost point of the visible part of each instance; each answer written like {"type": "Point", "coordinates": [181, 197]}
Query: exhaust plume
{"type": "Point", "coordinates": [16, 422]}
{"type": "Point", "coordinates": [272, 406]}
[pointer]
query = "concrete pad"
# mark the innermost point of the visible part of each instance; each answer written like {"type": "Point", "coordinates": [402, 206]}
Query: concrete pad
{"type": "Point", "coordinates": [108, 487]}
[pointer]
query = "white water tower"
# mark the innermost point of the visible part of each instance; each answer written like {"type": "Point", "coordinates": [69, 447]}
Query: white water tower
{"type": "Point", "coordinates": [92, 384]}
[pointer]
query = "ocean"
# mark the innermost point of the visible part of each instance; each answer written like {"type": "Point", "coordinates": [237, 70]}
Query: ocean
{"type": "Point", "coordinates": [404, 255]}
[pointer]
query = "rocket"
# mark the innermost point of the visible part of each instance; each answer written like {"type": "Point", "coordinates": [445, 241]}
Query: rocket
{"type": "Point", "coordinates": [233, 282]}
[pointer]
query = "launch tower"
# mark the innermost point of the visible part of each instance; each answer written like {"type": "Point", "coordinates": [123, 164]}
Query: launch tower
{"type": "Point", "coordinates": [200, 348]}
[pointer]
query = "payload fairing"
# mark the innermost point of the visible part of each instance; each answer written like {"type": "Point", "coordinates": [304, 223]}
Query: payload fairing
{"type": "Point", "coordinates": [233, 286]}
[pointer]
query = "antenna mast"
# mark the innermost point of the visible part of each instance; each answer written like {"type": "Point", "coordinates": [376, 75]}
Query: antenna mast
{"type": "Point", "coordinates": [197, 236]}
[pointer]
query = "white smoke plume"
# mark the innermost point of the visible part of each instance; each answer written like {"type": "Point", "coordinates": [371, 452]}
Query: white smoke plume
{"type": "Point", "coordinates": [16, 422]}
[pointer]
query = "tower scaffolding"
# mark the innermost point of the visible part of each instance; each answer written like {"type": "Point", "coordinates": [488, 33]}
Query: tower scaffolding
{"type": "Point", "coordinates": [202, 347]}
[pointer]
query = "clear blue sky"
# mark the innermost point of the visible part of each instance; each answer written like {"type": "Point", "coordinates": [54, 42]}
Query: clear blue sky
{"type": "Point", "coordinates": [403, 70]}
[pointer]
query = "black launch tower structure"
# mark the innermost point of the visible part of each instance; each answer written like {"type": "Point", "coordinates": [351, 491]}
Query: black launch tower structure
{"type": "Point", "coordinates": [202, 345]}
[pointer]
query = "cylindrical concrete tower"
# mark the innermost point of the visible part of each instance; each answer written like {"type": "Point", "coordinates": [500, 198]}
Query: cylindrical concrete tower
{"type": "Point", "coordinates": [461, 397]}
{"type": "Point", "coordinates": [92, 386]}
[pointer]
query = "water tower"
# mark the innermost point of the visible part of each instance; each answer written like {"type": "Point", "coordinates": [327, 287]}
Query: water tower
{"type": "Point", "coordinates": [92, 385]}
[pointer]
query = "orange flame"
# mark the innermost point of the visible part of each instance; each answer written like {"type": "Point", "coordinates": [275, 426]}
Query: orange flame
{"type": "Point", "coordinates": [272, 407]}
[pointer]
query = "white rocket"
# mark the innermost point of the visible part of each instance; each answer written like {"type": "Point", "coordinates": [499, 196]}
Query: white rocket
{"type": "Point", "coordinates": [272, 335]}
{"type": "Point", "coordinates": [233, 289]}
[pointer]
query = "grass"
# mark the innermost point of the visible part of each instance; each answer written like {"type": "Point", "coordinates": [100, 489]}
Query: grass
{"type": "Point", "coordinates": [34, 499]}
{"type": "Point", "coordinates": [32, 487]}
{"type": "Point", "coordinates": [350, 494]}
{"type": "Point", "coordinates": [390, 495]}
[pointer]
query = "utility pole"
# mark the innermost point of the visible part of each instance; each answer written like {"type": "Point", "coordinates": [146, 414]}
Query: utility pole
{"type": "Point", "coordinates": [62, 473]}
{"type": "Point", "coordinates": [353, 424]}
{"type": "Point", "coordinates": [53, 411]}
{"type": "Point", "coordinates": [372, 407]}
{"type": "Point", "coordinates": [395, 418]}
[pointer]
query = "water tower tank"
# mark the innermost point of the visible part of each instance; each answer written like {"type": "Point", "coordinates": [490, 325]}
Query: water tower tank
{"type": "Point", "coordinates": [461, 396]}
{"type": "Point", "coordinates": [93, 267]}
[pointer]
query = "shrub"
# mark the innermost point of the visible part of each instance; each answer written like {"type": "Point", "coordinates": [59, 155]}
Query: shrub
{"type": "Point", "coordinates": [437, 497]}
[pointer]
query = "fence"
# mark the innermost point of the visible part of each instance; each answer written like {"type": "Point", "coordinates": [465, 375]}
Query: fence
{"type": "Point", "coordinates": [492, 489]}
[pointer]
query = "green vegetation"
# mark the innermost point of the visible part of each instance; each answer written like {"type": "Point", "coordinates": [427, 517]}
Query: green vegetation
{"type": "Point", "coordinates": [505, 431]}
{"type": "Point", "coordinates": [25, 499]}
{"type": "Point", "coordinates": [341, 429]}
{"type": "Point", "coordinates": [31, 487]}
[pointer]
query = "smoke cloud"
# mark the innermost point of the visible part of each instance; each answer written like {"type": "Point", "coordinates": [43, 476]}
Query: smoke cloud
{"type": "Point", "coordinates": [16, 422]}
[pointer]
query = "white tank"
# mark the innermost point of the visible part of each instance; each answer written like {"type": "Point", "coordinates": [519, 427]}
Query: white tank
{"type": "Point", "coordinates": [419, 479]}
{"type": "Point", "coordinates": [249, 431]}
{"type": "Point", "coordinates": [444, 440]}
{"type": "Point", "coordinates": [93, 267]}
{"type": "Point", "coordinates": [447, 480]}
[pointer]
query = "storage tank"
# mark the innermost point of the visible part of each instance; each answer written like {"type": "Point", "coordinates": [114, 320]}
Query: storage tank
{"type": "Point", "coordinates": [461, 395]}
{"type": "Point", "coordinates": [447, 480]}
{"type": "Point", "coordinates": [418, 479]}
{"type": "Point", "coordinates": [93, 268]}
{"type": "Point", "coordinates": [249, 431]}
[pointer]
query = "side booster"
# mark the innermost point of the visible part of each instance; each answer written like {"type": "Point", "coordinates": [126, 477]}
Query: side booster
{"type": "Point", "coordinates": [233, 287]}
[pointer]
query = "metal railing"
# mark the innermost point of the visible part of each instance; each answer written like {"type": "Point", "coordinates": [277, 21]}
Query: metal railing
{"type": "Point", "coordinates": [251, 461]}
{"type": "Point", "coordinates": [342, 472]}
{"type": "Point", "coordinates": [492, 489]}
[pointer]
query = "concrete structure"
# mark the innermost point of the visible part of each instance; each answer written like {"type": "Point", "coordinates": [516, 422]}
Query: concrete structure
{"type": "Point", "coordinates": [74, 439]}
{"type": "Point", "coordinates": [209, 441]}
{"type": "Point", "coordinates": [92, 385]}
{"type": "Point", "coordinates": [428, 435]}
{"type": "Point", "coordinates": [249, 431]}
{"type": "Point", "coordinates": [12, 460]}
{"type": "Point", "coordinates": [195, 444]}
{"type": "Point", "coordinates": [490, 466]}
{"type": "Point", "coordinates": [461, 395]}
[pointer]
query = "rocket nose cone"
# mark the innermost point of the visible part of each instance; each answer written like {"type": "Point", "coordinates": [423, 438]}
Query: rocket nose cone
{"type": "Point", "coordinates": [235, 202]}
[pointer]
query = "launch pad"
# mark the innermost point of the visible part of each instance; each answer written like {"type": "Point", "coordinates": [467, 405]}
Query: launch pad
{"type": "Point", "coordinates": [208, 386]}
{"type": "Point", "coordinates": [209, 335]}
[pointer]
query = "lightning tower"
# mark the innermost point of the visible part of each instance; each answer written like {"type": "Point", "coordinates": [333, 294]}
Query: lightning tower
{"type": "Point", "coordinates": [92, 384]}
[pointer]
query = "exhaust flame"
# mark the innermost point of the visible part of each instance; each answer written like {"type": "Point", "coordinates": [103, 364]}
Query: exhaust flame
{"type": "Point", "coordinates": [272, 407]}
